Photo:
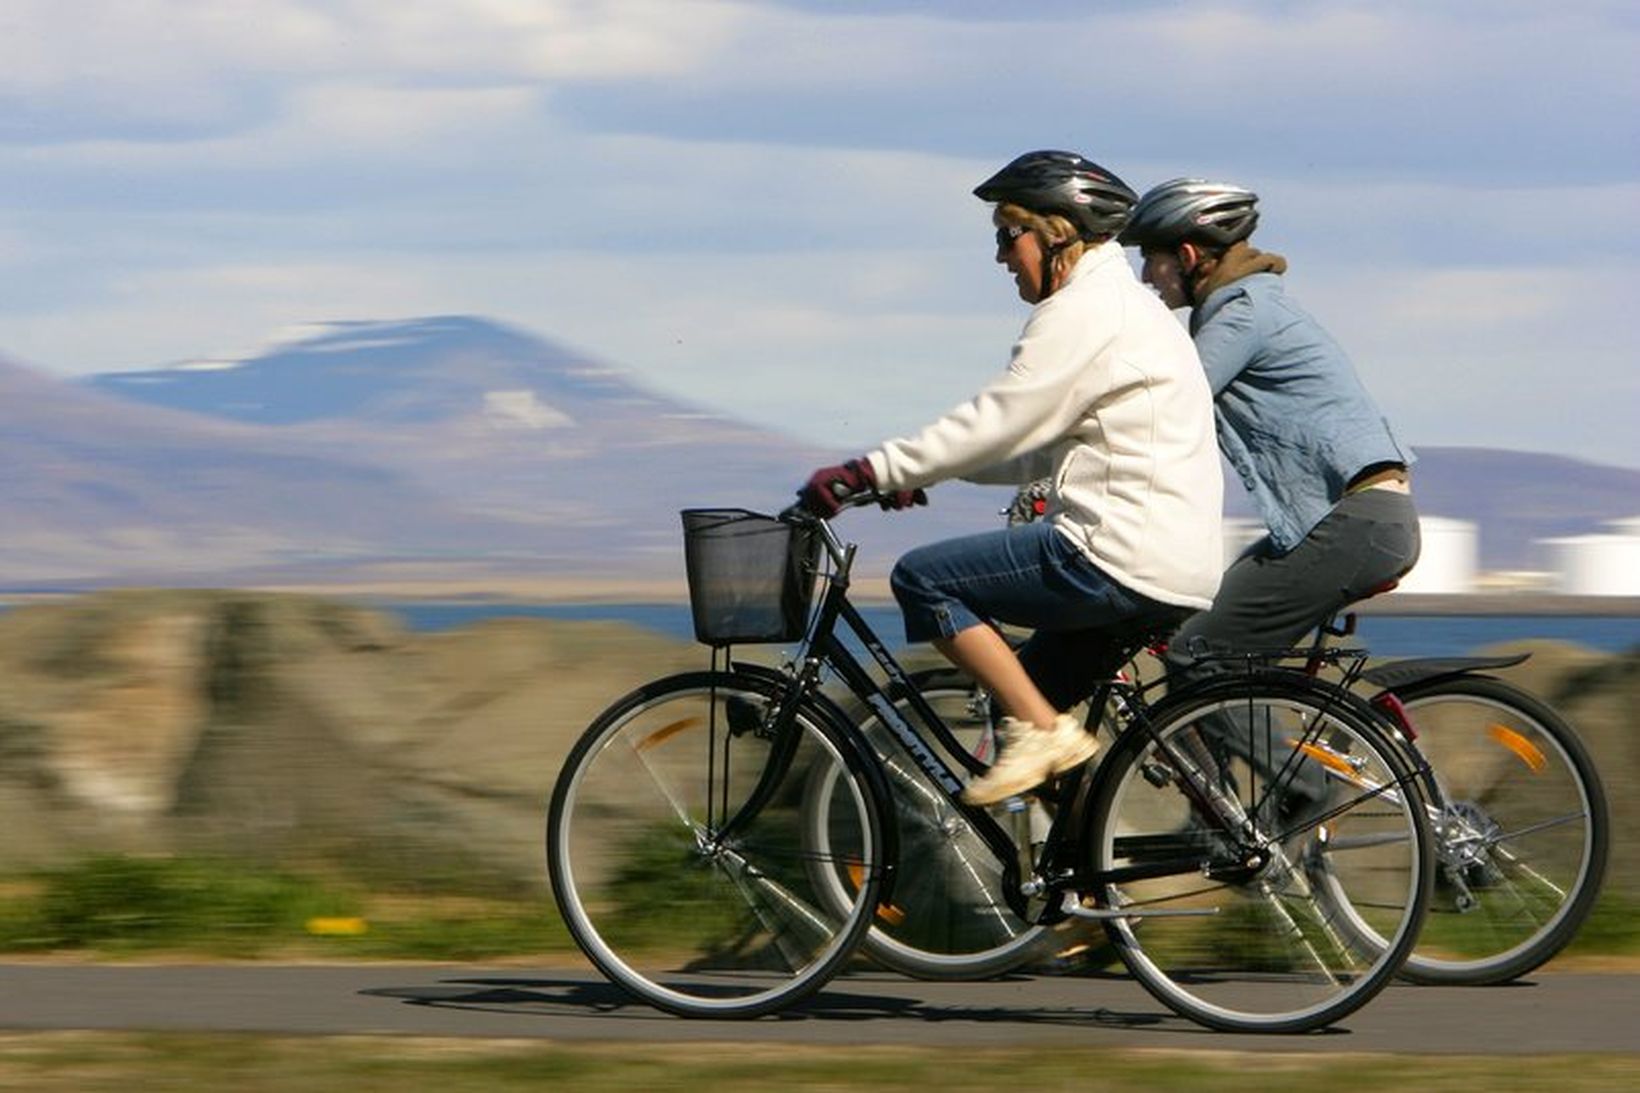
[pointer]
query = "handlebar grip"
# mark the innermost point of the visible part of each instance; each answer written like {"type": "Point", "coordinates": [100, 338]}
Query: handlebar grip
{"type": "Point", "coordinates": [845, 500]}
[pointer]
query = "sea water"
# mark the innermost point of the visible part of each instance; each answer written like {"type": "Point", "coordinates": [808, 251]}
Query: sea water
{"type": "Point", "coordinates": [1383, 635]}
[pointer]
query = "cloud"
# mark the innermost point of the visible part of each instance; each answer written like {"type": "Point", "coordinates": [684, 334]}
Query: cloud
{"type": "Point", "coordinates": [1396, 92]}
{"type": "Point", "coordinates": [737, 198]}
{"type": "Point", "coordinates": [175, 70]}
{"type": "Point", "coordinates": [1523, 357]}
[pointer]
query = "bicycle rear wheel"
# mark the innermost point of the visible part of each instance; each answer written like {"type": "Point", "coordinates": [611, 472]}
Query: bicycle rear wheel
{"type": "Point", "coordinates": [1520, 836]}
{"type": "Point", "coordinates": [680, 857]}
{"type": "Point", "coordinates": [948, 919]}
{"type": "Point", "coordinates": [1218, 814]}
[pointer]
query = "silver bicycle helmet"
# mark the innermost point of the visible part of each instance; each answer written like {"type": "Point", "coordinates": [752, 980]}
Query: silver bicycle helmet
{"type": "Point", "coordinates": [1093, 199]}
{"type": "Point", "coordinates": [1192, 210]}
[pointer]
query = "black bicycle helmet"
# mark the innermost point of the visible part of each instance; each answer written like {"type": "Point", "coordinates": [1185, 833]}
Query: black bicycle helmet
{"type": "Point", "coordinates": [1192, 210]}
{"type": "Point", "coordinates": [1090, 197]}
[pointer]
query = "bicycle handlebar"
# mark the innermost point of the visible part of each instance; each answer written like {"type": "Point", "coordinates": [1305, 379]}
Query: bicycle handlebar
{"type": "Point", "coordinates": [797, 512]}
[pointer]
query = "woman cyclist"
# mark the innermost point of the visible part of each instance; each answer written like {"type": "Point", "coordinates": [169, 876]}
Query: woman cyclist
{"type": "Point", "coordinates": [1294, 421]}
{"type": "Point", "coordinates": [1104, 395]}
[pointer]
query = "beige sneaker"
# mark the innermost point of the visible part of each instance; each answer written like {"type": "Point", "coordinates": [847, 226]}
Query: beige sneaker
{"type": "Point", "coordinates": [1029, 755]}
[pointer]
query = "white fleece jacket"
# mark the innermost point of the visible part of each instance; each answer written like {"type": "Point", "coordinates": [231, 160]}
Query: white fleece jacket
{"type": "Point", "coordinates": [1105, 394]}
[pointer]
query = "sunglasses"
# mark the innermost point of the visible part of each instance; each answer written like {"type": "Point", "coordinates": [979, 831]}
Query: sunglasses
{"type": "Point", "coordinates": [1007, 233]}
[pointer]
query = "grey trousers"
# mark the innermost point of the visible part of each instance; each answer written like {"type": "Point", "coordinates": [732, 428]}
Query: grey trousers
{"type": "Point", "coordinates": [1272, 601]}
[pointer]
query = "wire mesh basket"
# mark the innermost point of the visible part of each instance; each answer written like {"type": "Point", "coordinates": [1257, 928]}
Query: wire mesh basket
{"type": "Point", "coordinates": [750, 576]}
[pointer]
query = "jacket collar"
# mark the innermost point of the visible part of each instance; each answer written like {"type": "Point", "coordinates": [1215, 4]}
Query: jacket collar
{"type": "Point", "coordinates": [1097, 258]}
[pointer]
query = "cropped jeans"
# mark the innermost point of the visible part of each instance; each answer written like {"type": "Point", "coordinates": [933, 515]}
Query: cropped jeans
{"type": "Point", "coordinates": [1030, 576]}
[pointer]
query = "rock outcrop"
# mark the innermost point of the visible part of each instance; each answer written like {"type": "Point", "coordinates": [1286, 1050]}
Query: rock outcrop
{"type": "Point", "coordinates": [296, 729]}
{"type": "Point", "coordinates": [307, 730]}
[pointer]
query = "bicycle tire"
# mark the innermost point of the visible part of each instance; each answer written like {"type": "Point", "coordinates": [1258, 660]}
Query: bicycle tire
{"type": "Point", "coordinates": [690, 914]}
{"type": "Point", "coordinates": [1523, 831]}
{"type": "Point", "coordinates": [1250, 943]}
{"type": "Point", "coordinates": [949, 919]}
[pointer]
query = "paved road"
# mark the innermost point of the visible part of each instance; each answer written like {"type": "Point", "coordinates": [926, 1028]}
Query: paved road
{"type": "Point", "coordinates": [1551, 1013]}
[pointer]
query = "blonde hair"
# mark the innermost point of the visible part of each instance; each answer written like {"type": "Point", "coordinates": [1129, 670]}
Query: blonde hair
{"type": "Point", "coordinates": [1051, 231]}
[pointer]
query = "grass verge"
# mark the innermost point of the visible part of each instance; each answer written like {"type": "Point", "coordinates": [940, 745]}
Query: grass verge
{"type": "Point", "coordinates": [1612, 928]}
{"type": "Point", "coordinates": [123, 906]}
{"type": "Point", "coordinates": [94, 1062]}
{"type": "Point", "coordinates": [114, 906]}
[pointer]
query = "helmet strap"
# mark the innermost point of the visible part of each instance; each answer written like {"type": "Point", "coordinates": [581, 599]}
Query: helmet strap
{"type": "Point", "coordinates": [1049, 253]}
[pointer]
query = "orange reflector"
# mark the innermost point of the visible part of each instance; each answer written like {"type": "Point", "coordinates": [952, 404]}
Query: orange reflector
{"type": "Point", "coordinates": [1515, 742]}
{"type": "Point", "coordinates": [885, 911]}
{"type": "Point", "coordinates": [666, 732]}
{"type": "Point", "coordinates": [1327, 759]}
{"type": "Point", "coordinates": [890, 914]}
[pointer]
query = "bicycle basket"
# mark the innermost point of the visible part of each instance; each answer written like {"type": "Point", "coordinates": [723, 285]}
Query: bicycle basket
{"type": "Point", "coordinates": [750, 576]}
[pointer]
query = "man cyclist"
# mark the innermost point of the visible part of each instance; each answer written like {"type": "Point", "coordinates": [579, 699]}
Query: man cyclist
{"type": "Point", "coordinates": [1294, 421]}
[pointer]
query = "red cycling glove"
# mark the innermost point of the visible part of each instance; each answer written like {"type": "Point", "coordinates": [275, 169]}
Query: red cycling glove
{"type": "Point", "coordinates": [829, 487]}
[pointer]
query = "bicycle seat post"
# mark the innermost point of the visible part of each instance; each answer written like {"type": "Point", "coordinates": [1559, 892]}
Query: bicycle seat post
{"type": "Point", "coordinates": [1019, 822]}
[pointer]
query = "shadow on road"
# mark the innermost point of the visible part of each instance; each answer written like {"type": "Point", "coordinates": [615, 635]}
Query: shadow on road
{"type": "Point", "coordinates": [567, 996]}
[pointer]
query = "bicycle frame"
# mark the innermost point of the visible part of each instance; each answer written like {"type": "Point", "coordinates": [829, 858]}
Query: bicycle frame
{"type": "Point", "coordinates": [1058, 870]}
{"type": "Point", "coordinates": [807, 799]}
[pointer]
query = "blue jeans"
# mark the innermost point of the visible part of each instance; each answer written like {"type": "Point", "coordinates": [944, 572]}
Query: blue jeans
{"type": "Point", "coordinates": [1030, 576]}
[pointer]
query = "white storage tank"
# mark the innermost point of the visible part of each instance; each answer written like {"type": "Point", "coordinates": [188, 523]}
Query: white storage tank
{"type": "Point", "coordinates": [1448, 560]}
{"type": "Point", "coordinates": [1595, 565]}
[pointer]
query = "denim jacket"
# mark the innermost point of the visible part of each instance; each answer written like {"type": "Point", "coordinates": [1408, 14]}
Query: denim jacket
{"type": "Point", "coordinates": [1293, 420]}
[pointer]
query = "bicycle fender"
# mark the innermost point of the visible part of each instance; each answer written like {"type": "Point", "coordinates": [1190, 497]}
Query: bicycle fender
{"type": "Point", "coordinates": [1404, 673]}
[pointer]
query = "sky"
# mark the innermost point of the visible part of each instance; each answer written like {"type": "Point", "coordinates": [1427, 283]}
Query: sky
{"type": "Point", "coordinates": [765, 205]}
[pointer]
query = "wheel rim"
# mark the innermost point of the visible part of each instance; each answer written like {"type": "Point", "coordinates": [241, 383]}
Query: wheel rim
{"type": "Point", "coordinates": [665, 905]}
{"type": "Point", "coordinates": [1516, 841]}
{"type": "Point", "coordinates": [1267, 948]}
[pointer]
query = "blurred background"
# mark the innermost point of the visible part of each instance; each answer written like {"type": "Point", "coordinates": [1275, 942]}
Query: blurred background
{"type": "Point", "coordinates": [356, 357]}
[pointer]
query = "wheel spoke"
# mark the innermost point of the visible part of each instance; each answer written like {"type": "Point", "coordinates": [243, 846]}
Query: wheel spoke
{"type": "Point", "coordinates": [666, 905]}
{"type": "Point", "coordinates": [1522, 830]}
{"type": "Point", "coordinates": [1279, 947]}
{"type": "Point", "coordinates": [952, 918]}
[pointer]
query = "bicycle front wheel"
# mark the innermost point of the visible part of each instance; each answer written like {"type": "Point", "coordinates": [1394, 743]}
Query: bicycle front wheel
{"type": "Point", "coordinates": [1520, 833]}
{"type": "Point", "coordinates": [1214, 827]}
{"type": "Point", "coordinates": [680, 857]}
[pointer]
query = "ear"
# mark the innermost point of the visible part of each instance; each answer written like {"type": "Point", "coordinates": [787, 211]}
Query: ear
{"type": "Point", "coordinates": [1190, 256]}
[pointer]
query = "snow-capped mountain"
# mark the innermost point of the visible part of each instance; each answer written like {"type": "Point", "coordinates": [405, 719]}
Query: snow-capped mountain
{"type": "Point", "coordinates": [508, 423]}
{"type": "Point", "coordinates": [458, 441]}
{"type": "Point", "coordinates": [410, 373]}
{"type": "Point", "coordinates": [444, 440]}
{"type": "Point", "coordinates": [98, 487]}
{"type": "Point", "coordinates": [519, 429]}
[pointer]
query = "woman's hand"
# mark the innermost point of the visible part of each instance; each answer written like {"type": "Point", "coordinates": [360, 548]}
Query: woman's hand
{"type": "Point", "coordinates": [830, 488]}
